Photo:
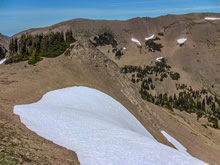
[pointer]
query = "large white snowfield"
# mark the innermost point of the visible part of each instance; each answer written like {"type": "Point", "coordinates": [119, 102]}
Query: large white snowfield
{"type": "Point", "coordinates": [98, 128]}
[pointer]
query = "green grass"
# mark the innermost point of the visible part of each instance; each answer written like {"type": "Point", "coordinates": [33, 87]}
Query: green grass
{"type": "Point", "coordinates": [205, 125]}
{"type": "Point", "coordinates": [7, 160]}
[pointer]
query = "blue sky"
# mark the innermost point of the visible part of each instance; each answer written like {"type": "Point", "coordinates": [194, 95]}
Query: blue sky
{"type": "Point", "coordinates": [19, 15]}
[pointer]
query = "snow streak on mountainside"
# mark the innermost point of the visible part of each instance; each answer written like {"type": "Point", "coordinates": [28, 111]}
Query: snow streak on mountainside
{"type": "Point", "coordinates": [181, 40]}
{"type": "Point", "coordinates": [178, 146]}
{"type": "Point", "coordinates": [136, 41]}
{"type": "Point", "coordinates": [211, 18]}
{"type": "Point", "coordinates": [98, 128]}
{"type": "Point", "coordinates": [2, 61]}
{"type": "Point", "coordinates": [148, 38]}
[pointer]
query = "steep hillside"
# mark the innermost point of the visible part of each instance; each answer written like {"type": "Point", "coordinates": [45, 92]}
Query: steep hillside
{"type": "Point", "coordinates": [198, 58]}
{"type": "Point", "coordinates": [4, 40]}
{"type": "Point", "coordinates": [95, 60]}
{"type": "Point", "coordinates": [188, 43]}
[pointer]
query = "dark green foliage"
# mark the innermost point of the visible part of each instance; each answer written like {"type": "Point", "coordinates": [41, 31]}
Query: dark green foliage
{"type": "Point", "coordinates": [145, 85]}
{"type": "Point", "coordinates": [34, 58]}
{"type": "Point", "coordinates": [13, 45]}
{"type": "Point", "coordinates": [200, 102]}
{"type": "Point", "coordinates": [114, 50]}
{"type": "Point", "coordinates": [133, 79]}
{"type": "Point", "coordinates": [3, 52]}
{"type": "Point", "coordinates": [161, 34]}
{"type": "Point", "coordinates": [209, 100]}
{"type": "Point", "coordinates": [214, 122]}
{"type": "Point", "coordinates": [152, 86]}
{"type": "Point", "coordinates": [118, 54]}
{"type": "Point", "coordinates": [146, 95]}
{"type": "Point", "coordinates": [199, 105]}
{"type": "Point", "coordinates": [49, 45]}
{"type": "Point", "coordinates": [153, 46]}
{"type": "Point", "coordinates": [204, 125]}
{"type": "Point", "coordinates": [213, 108]}
{"type": "Point", "coordinates": [218, 101]}
{"type": "Point", "coordinates": [69, 37]}
{"type": "Point", "coordinates": [156, 38]}
{"type": "Point", "coordinates": [204, 91]}
{"type": "Point", "coordinates": [105, 38]}
{"type": "Point", "coordinates": [175, 76]}
{"type": "Point", "coordinates": [181, 86]}
{"type": "Point", "coordinates": [13, 58]}
{"type": "Point", "coordinates": [159, 69]}
{"type": "Point", "coordinates": [54, 44]}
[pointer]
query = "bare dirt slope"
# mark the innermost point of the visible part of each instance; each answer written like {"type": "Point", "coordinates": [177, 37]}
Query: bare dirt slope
{"type": "Point", "coordinates": [198, 58]}
{"type": "Point", "coordinates": [86, 66]}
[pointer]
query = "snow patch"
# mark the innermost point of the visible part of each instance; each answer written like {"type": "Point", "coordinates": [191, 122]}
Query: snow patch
{"type": "Point", "coordinates": [211, 18]}
{"type": "Point", "coordinates": [2, 61]}
{"type": "Point", "coordinates": [148, 38]}
{"type": "Point", "coordinates": [98, 128]}
{"type": "Point", "coordinates": [173, 141]}
{"type": "Point", "coordinates": [136, 41]}
{"type": "Point", "coordinates": [181, 40]}
{"type": "Point", "coordinates": [159, 59]}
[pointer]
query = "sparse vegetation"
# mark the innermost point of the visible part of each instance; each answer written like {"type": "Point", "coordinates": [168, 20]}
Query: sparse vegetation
{"type": "Point", "coordinates": [7, 160]}
{"type": "Point", "coordinates": [205, 125]}
{"type": "Point", "coordinates": [201, 102]}
{"type": "Point", "coordinates": [12, 151]}
{"type": "Point", "coordinates": [118, 54]}
{"type": "Point", "coordinates": [3, 52]}
{"type": "Point", "coordinates": [103, 39]}
{"type": "Point", "coordinates": [161, 70]}
{"type": "Point", "coordinates": [152, 45]}
{"type": "Point", "coordinates": [34, 58]}
{"type": "Point", "coordinates": [175, 76]}
{"type": "Point", "coordinates": [107, 38]}
{"type": "Point", "coordinates": [161, 34]}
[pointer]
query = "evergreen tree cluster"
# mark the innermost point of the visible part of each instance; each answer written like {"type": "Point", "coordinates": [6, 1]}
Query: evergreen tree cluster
{"type": "Point", "coordinates": [105, 38]}
{"type": "Point", "coordinates": [175, 76]}
{"type": "Point", "coordinates": [118, 54]}
{"type": "Point", "coordinates": [3, 52]}
{"type": "Point", "coordinates": [153, 46]}
{"type": "Point", "coordinates": [33, 48]}
{"type": "Point", "coordinates": [161, 70]}
{"type": "Point", "coordinates": [188, 100]}
{"type": "Point", "coordinates": [201, 102]}
{"type": "Point", "coordinates": [160, 34]}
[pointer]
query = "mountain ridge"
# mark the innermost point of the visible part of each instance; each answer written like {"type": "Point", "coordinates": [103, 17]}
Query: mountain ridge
{"type": "Point", "coordinates": [94, 64]}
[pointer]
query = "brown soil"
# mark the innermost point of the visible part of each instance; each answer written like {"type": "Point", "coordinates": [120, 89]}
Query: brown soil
{"type": "Point", "coordinates": [86, 66]}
